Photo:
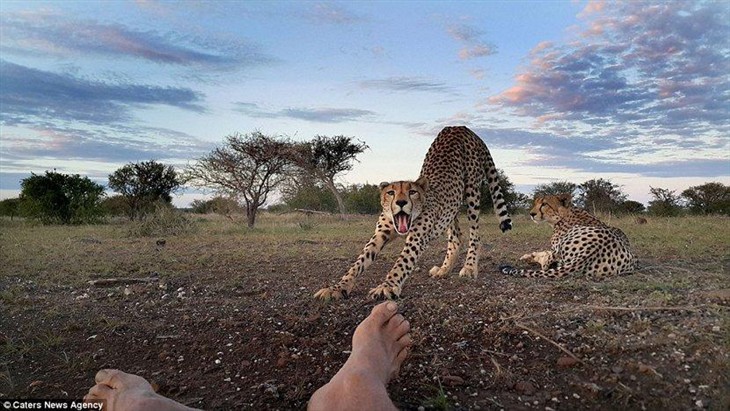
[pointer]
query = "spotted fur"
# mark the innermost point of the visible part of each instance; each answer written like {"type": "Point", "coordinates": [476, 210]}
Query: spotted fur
{"type": "Point", "coordinates": [456, 166]}
{"type": "Point", "coordinates": [581, 243]}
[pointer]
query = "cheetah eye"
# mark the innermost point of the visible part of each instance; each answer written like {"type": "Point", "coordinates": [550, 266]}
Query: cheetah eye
{"type": "Point", "coordinates": [413, 192]}
{"type": "Point", "coordinates": [390, 193]}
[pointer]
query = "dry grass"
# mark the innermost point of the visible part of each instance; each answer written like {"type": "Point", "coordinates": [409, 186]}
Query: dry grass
{"type": "Point", "coordinates": [491, 332]}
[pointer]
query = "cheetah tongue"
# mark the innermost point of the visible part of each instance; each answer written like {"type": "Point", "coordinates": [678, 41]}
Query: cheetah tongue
{"type": "Point", "coordinates": [402, 221]}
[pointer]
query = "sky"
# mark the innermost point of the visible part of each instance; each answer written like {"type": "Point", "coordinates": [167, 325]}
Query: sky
{"type": "Point", "coordinates": [635, 92]}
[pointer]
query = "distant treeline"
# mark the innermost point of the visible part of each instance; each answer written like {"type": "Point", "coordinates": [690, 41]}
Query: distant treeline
{"type": "Point", "coordinates": [247, 170]}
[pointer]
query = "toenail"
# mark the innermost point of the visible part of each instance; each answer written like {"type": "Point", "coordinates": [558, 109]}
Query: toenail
{"type": "Point", "coordinates": [391, 305]}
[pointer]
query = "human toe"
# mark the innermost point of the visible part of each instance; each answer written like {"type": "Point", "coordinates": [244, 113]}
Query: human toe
{"type": "Point", "coordinates": [384, 311]}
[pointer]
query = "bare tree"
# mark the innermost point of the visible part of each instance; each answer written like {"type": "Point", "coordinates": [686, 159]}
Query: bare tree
{"type": "Point", "coordinates": [327, 157]}
{"type": "Point", "coordinates": [247, 166]}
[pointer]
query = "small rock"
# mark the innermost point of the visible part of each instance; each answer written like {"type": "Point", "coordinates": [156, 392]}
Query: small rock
{"type": "Point", "coordinates": [525, 387]}
{"type": "Point", "coordinates": [566, 362]}
{"type": "Point", "coordinates": [617, 369]}
{"type": "Point", "coordinates": [716, 329]}
{"type": "Point", "coordinates": [453, 380]}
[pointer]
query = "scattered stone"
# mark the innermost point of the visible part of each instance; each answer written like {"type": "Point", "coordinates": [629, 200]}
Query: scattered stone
{"type": "Point", "coordinates": [646, 369]}
{"type": "Point", "coordinates": [453, 380]}
{"type": "Point", "coordinates": [566, 362]}
{"type": "Point", "coordinates": [525, 387]}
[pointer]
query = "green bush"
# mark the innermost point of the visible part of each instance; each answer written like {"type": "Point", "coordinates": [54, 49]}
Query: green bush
{"type": "Point", "coordinates": [56, 198]}
{"type": "Point", "coordinates": [363, 199]}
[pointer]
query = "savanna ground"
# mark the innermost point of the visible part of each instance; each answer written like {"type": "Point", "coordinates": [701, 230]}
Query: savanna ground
{"type": "Point", "coordinates": [228, 321]}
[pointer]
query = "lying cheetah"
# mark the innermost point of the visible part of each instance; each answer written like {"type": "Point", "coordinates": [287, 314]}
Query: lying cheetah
{"type": "Point", "coordinates": [581, 243]}
{"type": "Point", "coordinates": [456, 166]}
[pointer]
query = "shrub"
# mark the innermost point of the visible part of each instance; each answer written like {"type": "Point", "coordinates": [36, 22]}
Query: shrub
{"type": "Point", "coordinates": [164, 221]}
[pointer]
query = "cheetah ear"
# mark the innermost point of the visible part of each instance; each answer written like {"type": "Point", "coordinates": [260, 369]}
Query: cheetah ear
{"type": "Point", "coordinates": [423, 183]}
{"type": "Point", "coordinates": [565, 200]}
{"type": "Point", "coordinates": [384, 184]}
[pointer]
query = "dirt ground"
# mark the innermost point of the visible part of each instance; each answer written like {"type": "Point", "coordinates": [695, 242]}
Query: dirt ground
{"type": "Point", "coordinates": [227, 319]}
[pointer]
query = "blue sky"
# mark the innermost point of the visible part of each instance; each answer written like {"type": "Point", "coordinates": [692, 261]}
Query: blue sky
{"type": "Point", "coordinates": [635, 92]}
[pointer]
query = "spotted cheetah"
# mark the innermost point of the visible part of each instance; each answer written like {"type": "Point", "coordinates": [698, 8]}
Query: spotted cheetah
{"type": "Point", "coordinates": [581, 243]}
{"type": "Point", "coordinates": [456, 166]}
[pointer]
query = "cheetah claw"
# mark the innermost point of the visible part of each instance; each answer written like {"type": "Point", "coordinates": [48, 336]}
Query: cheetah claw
{"type": "Point", "coordinates": [329, 293]}
{"type": "Point", "coordinates": [384, 292]}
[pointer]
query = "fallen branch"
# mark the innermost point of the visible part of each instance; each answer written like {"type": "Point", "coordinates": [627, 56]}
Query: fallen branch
{"type": "Point", "coordinates": [539, 334]}
{"type": "Point", "coordinates": [678, 308]}
{"type": "Point", "coordinates": [167, 337]}
{"type": "Point", "coordinates": [306, 211]}
{"type": "Point", "coordinates": [110, 282]}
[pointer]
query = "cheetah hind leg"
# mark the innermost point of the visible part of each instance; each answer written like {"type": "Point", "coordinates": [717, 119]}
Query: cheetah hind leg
{"type": "Point", "coordinates": [452, 250]}
{"type": "Point", "coordinates": [471, 264]}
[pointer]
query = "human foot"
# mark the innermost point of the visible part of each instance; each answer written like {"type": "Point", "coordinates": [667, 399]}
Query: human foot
{"type": "Point", "coordinates": [121, 391]}
{"type": "Point", "coordinates": [379, 347]}
{"type": "Point", "coordinates": [380, 343]}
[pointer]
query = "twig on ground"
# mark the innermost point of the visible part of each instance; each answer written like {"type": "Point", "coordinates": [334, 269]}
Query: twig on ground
{"type": "Point", "coordinates": [539, 334]}
{"type": "Point", "coordinates": [306, 211]}
{"type": "Point", "coordinates": [667, 308]}
{"type": "Point", "coordinates": [109, 282]}
{"type": "Point", "coordinates": [497, 368]}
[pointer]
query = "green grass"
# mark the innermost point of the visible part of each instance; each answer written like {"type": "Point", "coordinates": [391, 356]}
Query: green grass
{"type": "Point", "coordinates": [439, 401]}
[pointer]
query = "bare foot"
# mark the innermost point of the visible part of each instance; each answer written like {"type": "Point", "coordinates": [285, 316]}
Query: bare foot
{"type": "Point", "coordinates": [379, 347]}
{"type": "Point", "coordinates": [121, 391]}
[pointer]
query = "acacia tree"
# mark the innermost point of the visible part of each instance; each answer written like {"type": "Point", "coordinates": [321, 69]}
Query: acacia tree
{"type": "Point", "coordinates": [247, 166]}
{"type": "Point", "coordinates": [664, 202]}
{"type": "Point", "coordinates": [708, 198]}
{"type": "Point", "coordinates": [143, 184]}
{"type": "Point", "coordinates": [555, 188]}
{"type": "Point", "coordinates": [599, 195]}
{"type": "Point", "coordinates": [327, 157]}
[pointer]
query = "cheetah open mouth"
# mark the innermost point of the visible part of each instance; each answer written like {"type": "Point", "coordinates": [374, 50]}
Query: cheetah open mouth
{"type": "Point", "coordinates": [402, 222]}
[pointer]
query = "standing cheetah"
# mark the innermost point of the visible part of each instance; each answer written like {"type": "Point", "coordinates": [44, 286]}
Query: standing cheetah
{"type": "Point", "coordinates": [456, 166]}
{"type": "Point", "coordinates": [581, 243]}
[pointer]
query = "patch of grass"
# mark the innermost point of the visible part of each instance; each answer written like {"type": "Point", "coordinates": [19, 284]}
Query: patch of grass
{"type": "Point", "coordinates": [50, 340]}
{"type": "Point", "coordinates": [439, 401]}
{"type": "Point", "coordinates": [11, 296]}
{"type": "Point", "coordinates": [165, 221]}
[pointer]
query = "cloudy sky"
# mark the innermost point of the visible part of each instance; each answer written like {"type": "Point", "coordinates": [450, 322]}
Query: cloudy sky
{"type": "Point", "coordinates": [635, 92]}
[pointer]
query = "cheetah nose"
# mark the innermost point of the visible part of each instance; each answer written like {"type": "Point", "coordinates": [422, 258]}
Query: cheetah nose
{"type": "Point", "coordinates": [533, 214]}
{"type": "Point", "coordinates": [401, 203]}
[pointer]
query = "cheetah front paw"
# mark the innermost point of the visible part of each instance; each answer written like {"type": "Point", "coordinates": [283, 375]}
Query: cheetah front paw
{"type": "Point", "coordinates": [543, 258]}
{"type": "Point", "coordinates": [385, 292]}
{"type": "Point", "coordinates": [530, 258]}
{"type": "Point", "coordinates": [332, 293]}
{"type": "Point", "coordinates": [437, 271]}
{"type": "Point", "coordinates": [469, 272]}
